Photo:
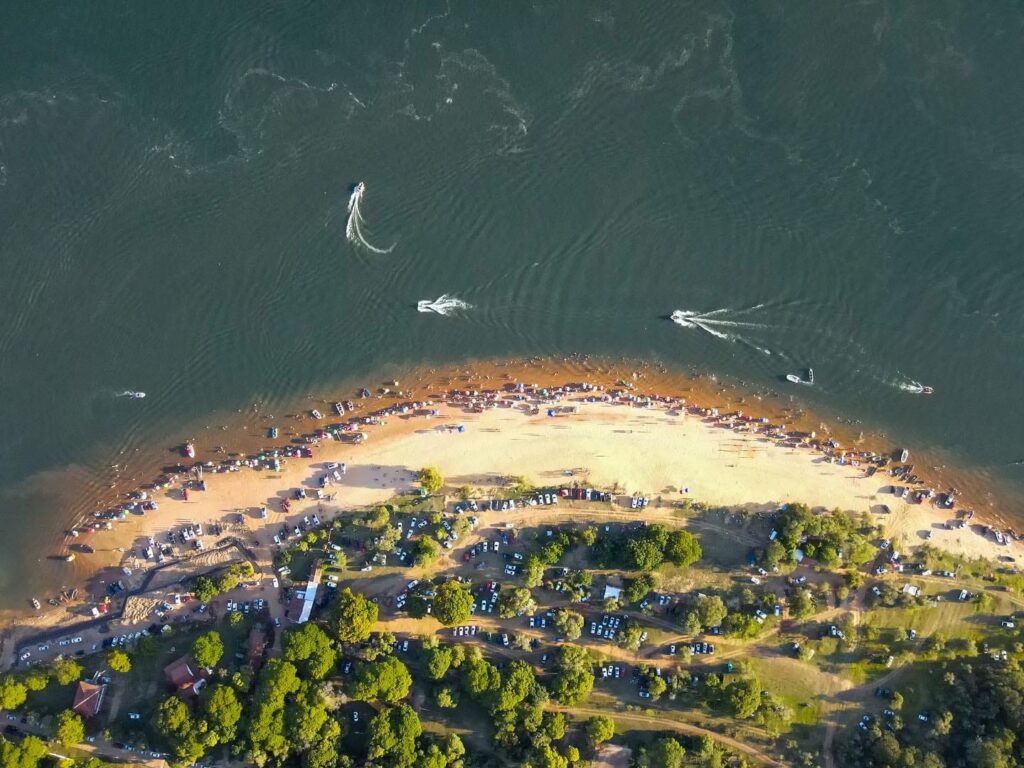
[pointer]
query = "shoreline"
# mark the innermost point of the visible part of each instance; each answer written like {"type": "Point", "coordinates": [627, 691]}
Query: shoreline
{"type": "Point", "coordinates": [742, 442]}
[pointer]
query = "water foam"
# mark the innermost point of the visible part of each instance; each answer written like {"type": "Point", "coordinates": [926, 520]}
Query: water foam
{"type": "Point", "coordinates": [443, 305]}
{"type": "Point", "coordinates": [353, 229]}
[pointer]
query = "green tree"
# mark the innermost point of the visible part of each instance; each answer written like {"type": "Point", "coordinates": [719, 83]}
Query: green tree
{"type": "Point", "coordinates": [305, 715]}
{"type": "Point", "coordinates": [67, 671]}
{"type": "Point", "coordinates": [119, 661]}
{"type": "Point", "coordinates": [379, 517]}
{"type": "Point", "coordinates": [205, 589]}
{"type": "Point", "coordinates": [392, 736]}
{"type": "Point", "coordinates": [656, 686]}
{"type": "Point", "coordinates": [386, 680]}
{"type": "Point", "coordinates": [417, 606]}
{"type": "Point", "coordinates": [546, 756]}
{"type": "Point", "coordinates": [711, 610]}
{"type": "Point", "coordinates": [425, 551]}
{"type": "Point", "coordinates": [207, 649]}
{"type": "Point", "coordinates": [352, 616]}
{"type": "Point", "coordinates": [800, 603]}
{"type": "Point", "coordinates": [516, 602]}
{"type": "Point", "coordinates": [639, 588]}
{"type": "Point", "coordinates": [533, 571]}
{"type": "Point", "coordinates": [187, 737]}
{"type": "Point", "coordinates": [28, 754]}
{"type": "Point", "coordinates": [743, 697]}
{"type": "Point", "coordinates": [479, 676]}
{"type": "Point", "coordinates": [438, 662]}
{"type": "Point", "coordinates": [666, 753]}
{"type": "Point", "coordinates": [643, 554]}
{"type": "Point", "coordinates": [446, 697]}
{"type": "Point", "coordinates": [70, 728]}
{"type": "Point", "coordinates": [774, 554]}
{"type": "Point", "coordinates": [173, 717]}
{"type": "Point", "coordinates": [682, 549]}
{"type": "Point", "coordinates": [431, 480]}
{"type": "Point", "coordinates": [323, 752]}
{"type": "Point", "coordinates": [452, 603]}
{"type": "Point", "coordinates": [268, 739]}
{"type": "Point", "coordinates": [518, 682]}
{"type": "Point", "coordinates": [599, 729]}
{"type": "Point", "coordinates": [630, 636]}
{"type": "Point", "coordinates": [575, 678]}
{"type": "Point", "coordinates": [310, 649]}
{"type": "Point", "coordinates": [223, 710]}
{"type": "Point", "coordinates": [569, 624]}
{"type": "Point", "coordinates": [37, 679]}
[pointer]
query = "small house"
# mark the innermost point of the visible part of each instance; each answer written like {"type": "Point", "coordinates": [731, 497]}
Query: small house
{"type": "Point", "coordinates": [88, 699]}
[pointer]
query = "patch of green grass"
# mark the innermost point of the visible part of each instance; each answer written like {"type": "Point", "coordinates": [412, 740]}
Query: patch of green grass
{"type": "Point", "coordinates": [797, 691]}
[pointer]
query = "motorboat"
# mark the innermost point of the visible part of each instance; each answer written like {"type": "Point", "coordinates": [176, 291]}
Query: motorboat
{"type": "Point", "coordinates": [918, 388]}
{"type": "Point", "coordinates": [794, 379]}
{"type": "Point", "coordinates": [273, 433]}
{"type": "Point", "coordinates": [339, 409]}
{"type": "Point", "coordinates": [35, 604]}
{"type": "Point", "coordinates": [190, 450]}
{"type": "Point", "coordinates": [316, 414]}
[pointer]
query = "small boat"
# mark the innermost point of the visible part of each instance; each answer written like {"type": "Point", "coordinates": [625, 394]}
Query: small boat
{"type": "Point", "coordinates": [35, 604]}
{"type": "Point", "coordinates": [904, 455]}
{"type": "Point", "coordinates": [69, 558]}
{"type": "Point", "coordinates": [190, 450]}
{"type": "Point", "coordinates": [316, 414]}
{"type": "Point", "coordinates": [273, 433]}
{"type": "Point", "coordinates": [916, 388]}
{"type": "Point", "coordinates": [87, 549]}
{"type": "Point", "coordinates": [794, 379]}
{"type": "Point", "coordinates": [339, 409]}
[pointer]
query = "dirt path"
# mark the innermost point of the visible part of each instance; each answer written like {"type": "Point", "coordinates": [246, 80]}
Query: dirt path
{"type": "Point", "coordinates": [662, 724]}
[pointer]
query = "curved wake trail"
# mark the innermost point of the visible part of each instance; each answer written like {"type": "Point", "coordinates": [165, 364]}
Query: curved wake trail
{"type": "Point", "coordinates": [707, 322]}
{"type": "Point", "coordinates": [353, 228]}
{"type": "Point", "coordinates": [443, 305]}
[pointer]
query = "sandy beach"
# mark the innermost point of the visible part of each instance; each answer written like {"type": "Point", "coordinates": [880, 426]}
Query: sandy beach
{"type": "Point", "coordinates": [660, 450]}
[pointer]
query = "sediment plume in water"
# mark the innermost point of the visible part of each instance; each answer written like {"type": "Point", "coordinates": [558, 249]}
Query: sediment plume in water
{"type": "Point", "coordinates": [354, 227]}
{"type": "Point", "coordinates": [443, 305]}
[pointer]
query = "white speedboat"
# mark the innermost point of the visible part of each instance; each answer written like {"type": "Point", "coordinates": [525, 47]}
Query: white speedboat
{"type": "Point", "coordinates": [794, 379]}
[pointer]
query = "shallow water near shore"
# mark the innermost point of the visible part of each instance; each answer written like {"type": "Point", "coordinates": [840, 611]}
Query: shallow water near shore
{"type": "Point", "coordinates": [839, 185]}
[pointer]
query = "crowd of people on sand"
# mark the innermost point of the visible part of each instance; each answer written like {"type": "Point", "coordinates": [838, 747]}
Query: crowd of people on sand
{"type": "Point", "coordinates": [532, 400]}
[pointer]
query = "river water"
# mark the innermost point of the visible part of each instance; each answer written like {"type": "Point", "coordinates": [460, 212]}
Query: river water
{"type": "Point", "coordinates": [836, 185]}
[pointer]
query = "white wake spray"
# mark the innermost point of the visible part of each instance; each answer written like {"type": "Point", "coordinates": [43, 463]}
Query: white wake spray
{"type": "Point", "coordinates": [443, 305]}
{"type": "Point", "coordinates": [710, 324]}
{"type": "Point", "coordinates": [354, 227]}
{"type": "Point", "coordinates": [911, 386]}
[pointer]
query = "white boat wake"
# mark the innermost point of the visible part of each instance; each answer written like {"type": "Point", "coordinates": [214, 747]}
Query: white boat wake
{"type": "Point", "coordinates": [913, 387]}
{"type": "Point", "coordinates": [707, 322]}
{"type": "Point", "coordinates": [354, 227]}
{"type": "Point", "coordinates": [443, 305]}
